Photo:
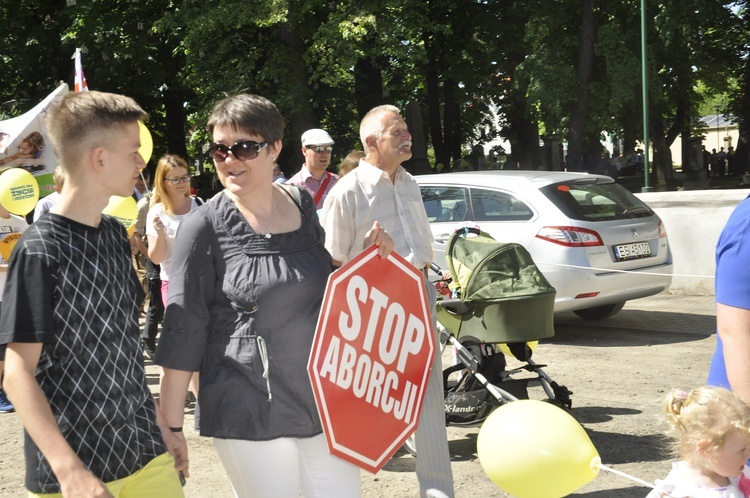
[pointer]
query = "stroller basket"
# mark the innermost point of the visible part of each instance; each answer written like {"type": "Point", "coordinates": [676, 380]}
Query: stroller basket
{"type": "Point", "coordinates": [505, 297]}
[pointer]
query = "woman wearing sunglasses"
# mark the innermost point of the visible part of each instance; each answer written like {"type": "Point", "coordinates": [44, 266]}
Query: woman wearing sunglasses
{"type": "Point", "coordinates": [250, 271]}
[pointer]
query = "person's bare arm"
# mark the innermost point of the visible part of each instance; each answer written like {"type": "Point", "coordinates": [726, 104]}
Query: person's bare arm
{"type": "Point", "coordinates": [733, 325]}
{"type": "Point", "coordinates": [157, 244]}
{"type": "Point", "coordinates": [173, 389]}
{"type": "Point", "coordinates": [175, 441]}
{"type": "Point", "coordinates": [136, 240]}
{"type": "Point", "coordinates": [34, 410]}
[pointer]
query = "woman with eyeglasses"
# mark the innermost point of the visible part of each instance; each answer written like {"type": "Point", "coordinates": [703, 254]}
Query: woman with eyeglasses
{"type": "Point", "coordinates": [250, 271]}
{"type": "Point", "coordinates": [170, 204]}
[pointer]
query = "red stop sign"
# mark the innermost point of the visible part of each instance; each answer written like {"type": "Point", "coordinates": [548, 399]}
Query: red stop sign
{"type": "Point", "coordinates": [371, 357]}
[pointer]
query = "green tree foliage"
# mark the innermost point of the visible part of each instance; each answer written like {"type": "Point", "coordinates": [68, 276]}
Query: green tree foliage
{"type": "Point", "coordinates": [126, 50]}
{"type": "Point", "coordinates": [32, 61]}
{"type": "Point", "coordinates": [739, 103]}
{"type": "Point", "coordinates": [562, 67]}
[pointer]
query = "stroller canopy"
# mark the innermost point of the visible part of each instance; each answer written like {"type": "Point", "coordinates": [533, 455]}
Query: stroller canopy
{"type": "Point", "coordinates": [489, 271]}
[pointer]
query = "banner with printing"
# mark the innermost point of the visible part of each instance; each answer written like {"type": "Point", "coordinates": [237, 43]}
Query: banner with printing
{"type": "Point", "coordinates": [24, 143]}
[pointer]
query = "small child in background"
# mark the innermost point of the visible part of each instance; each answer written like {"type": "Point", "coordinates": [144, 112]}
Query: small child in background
{"type": "Point", "coordinates": [712, 425]}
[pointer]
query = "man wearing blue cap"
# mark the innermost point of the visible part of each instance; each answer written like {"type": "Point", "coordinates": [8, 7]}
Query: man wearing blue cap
{"type": "Point", "coordinates": [314, 176]}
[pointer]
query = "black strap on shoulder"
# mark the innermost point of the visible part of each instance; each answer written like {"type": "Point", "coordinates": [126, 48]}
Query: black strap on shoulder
{"type": "Point", "coordinates": [293, 192]}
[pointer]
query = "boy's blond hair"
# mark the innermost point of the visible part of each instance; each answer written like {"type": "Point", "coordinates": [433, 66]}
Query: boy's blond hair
{"type": "Point", "coordinates": [84, 119]}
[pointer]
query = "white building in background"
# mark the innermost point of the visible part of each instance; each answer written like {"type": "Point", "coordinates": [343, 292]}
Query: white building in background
{"type": "Point", "coordinates": [720, 132]}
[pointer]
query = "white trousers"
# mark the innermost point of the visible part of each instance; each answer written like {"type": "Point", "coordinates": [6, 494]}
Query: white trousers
{"type": "Point", "coordinates": [287, 468]}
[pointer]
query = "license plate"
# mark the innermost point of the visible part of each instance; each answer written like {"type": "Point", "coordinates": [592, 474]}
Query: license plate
{"type": "Point", "coordinates": [632, 251]}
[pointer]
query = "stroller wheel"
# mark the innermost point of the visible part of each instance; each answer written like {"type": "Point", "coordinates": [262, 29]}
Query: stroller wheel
{"type": "Point", "coordinates": [410, 445]}
{"type": "Point", "coordinates": [560, 404]}
{"type": "Point", "coordinates": [562, 397]}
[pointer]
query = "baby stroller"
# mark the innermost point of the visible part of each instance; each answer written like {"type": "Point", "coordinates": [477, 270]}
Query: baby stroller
{"type": "Point", "coordinates": [500, 302]}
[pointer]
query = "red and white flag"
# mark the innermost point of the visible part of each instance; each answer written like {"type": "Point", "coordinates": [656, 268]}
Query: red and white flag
{"type": "Point", "coordinates": [80, 81]}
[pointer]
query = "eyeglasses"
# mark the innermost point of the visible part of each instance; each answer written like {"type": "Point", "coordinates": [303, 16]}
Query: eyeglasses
{"type": "Point", "coordinates": [243, 151]}
{"type": "Point", "coordinates": [319, 148]}
{"type": "Point", "coordinates": [175, 180]}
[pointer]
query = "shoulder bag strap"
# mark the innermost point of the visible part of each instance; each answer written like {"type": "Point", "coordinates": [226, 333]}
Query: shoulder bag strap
{"type": "Point", "coordinates": [322, 188]}
{"type": "Point", "coordinates": [293, 192]}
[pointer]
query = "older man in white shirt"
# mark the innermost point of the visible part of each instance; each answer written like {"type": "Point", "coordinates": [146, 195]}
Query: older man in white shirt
{"type": "Point", "coordinates": [379, 202]}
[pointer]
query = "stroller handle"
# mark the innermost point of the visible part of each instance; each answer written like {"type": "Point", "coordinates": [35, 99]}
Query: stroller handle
{"type": "Point", "coordinates": [445, 303]}
{"type": "Point", "coordinates": [456, 307]}
{"type": "Point", "coordinates": [467, 230]}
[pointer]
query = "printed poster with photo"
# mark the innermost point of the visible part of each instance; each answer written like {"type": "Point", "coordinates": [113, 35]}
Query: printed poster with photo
{"type": "Point", "coordinates": [24, 143]}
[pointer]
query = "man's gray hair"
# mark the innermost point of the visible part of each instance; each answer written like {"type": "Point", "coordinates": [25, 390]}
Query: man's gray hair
{"type": "Point", "coordinates": [372, 127]}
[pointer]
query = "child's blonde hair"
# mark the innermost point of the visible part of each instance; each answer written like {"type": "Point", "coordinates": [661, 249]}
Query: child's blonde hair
{"type": "Point", "coordinates": [702, 418]}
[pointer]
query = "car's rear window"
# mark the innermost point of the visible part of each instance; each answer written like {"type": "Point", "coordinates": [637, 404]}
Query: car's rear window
{"type": "Point", "coordinates": [592, 201]}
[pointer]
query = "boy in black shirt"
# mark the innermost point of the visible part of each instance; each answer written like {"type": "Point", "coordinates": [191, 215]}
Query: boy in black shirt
{"type": "Point", "coordinates": [74, 365]}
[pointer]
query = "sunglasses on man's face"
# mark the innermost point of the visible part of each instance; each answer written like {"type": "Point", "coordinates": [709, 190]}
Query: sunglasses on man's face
{"type": "Point", "coordinates": [242, 151]}
{"type": "Point", "coordinates": [319, 148]}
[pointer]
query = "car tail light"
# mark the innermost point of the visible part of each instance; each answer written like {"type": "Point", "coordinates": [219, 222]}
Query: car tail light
{"type": "Point", "coordinates": [570, 236]}
{"type": "Point", "coordinates": [662, 229]}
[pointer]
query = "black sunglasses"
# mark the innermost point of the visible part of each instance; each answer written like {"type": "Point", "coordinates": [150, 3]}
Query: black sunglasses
{"type": "Point", "coordinates": [243, 151]}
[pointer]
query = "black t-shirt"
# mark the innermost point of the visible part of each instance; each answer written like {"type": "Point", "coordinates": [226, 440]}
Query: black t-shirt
{"type": "Point", "coordinates": [73, 288]}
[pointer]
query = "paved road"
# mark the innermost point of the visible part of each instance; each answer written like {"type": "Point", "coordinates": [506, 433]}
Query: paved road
{"type": "Point", "coordinates": [619, 370]}
{"type": "Point", "coordinates": [634, 358]}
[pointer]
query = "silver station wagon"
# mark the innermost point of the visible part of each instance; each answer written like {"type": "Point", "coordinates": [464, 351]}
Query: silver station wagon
{"type": "Point", "coordinates": [597, 244]}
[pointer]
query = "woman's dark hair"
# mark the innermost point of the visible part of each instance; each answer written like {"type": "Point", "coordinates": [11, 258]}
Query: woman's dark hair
{"type": "Point", "coordinates": [248, 113]}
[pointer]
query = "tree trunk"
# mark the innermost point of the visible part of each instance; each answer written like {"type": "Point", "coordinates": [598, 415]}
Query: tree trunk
{"type": "Point", "coordinates": [742, 156]}
{"type": "Point", "coordinates": [442, 154]}
{"type": "Point", "coordinates": [742, 152]}
{"type": "Point", "coordinates": [368, 85]}
{"type": "Point", "coordinates": [451, 122]}
{"type": "Point", "coordinates": [302, 117]}
{"type": "Point", "coordinates": [578, 116]}
{"type": "Point", "coordinates": [526, 152]}
{"type": "Point", "coordinates": [174, 110]}
{"type": "Point", "coordinates": [418, 164]}
{"type": "Point", "coordinates": [662, 161]}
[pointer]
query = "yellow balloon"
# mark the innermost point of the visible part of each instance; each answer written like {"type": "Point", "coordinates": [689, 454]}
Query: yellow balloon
{"type": "Point", "coordinates": [124, 209]}
{"type": "Point", "coordinates": [533, 449]}
{"type": "Point", "coordinates": [19, 191]}
{"type": "Point", "coordinates": [147, 142]}
{"type": "Point", "coordinates": [506, 351]}
{"type": "Point", "coordinates": [7, 244]}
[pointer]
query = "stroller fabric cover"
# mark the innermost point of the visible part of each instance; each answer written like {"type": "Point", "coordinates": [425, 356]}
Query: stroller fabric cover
{"type": "Point", "coordinates": [511, 300]}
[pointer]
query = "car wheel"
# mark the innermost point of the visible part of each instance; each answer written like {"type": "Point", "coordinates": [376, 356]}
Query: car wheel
{"type": "Point", "coordinates": [599, 312]}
